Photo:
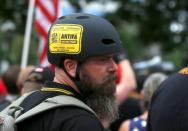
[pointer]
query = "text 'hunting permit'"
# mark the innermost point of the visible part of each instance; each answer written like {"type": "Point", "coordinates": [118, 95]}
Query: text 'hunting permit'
{"type": "Point", "coordinates": [65, 38]}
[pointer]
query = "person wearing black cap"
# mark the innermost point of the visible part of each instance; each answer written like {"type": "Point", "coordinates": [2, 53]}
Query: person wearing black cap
{"type": "Point", "coordinates": [169, 107]}
{"type": "Point", "coordinates": [36, 79]}
{"type": "Point", "coordinates": [81, 46]}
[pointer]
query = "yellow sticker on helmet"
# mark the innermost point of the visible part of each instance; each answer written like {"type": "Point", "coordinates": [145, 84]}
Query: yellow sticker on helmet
{"type": "Point", "coordinates": [65, 38]}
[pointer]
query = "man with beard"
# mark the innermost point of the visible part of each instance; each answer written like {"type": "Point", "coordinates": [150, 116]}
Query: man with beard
{"type": "Point", "coordinates": [81, 46]}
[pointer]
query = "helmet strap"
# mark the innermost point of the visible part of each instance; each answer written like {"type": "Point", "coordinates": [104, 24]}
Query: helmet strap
{"type": "Point", "coordinates": [77, 77]}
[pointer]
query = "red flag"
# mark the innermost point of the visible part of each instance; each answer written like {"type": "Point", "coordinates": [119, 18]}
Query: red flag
{"type": "Point", "coordinates": [46, 13]}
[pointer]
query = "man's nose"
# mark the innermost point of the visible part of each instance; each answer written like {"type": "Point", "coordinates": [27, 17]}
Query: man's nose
{"type": "Point", "coordinates": [113, 66]}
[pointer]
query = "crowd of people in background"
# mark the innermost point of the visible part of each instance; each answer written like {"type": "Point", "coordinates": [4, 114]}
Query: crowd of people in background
{"type": "Point", "coordinates": [16, 82]}
{"type": "Point", "coordinates": [133, 102]}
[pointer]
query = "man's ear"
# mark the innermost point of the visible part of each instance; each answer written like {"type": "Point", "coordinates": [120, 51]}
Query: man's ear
{"type": "Point", "coordinates": [70, 67]}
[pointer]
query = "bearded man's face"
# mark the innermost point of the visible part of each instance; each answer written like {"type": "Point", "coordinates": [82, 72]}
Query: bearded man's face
{"type": "Point", "coordinates": [97, 84]}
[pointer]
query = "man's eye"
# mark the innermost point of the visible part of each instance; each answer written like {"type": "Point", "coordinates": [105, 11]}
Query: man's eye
{"type": "Point", "coordinates": [104, 59]}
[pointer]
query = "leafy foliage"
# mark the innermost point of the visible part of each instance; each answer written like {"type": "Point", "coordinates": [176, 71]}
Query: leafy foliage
{"type": "Point", "coordinates": [140, 23]}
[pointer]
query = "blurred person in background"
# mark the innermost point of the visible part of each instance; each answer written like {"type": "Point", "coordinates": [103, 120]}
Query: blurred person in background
{"type": "Point", "coordinates": [23, 75]}
{"type": "Point", "coordinates": [150, 85]}
{"type": "Point", "coordinates": [126, 81]}
{"type": "Point", "coordinates": [3, 90]}
{"type": "Point", "coordinates": [9, 78]}
{"type": "Point", "coordinates": [169, 106]}
{"type": "Point", "coordinates": [36, 79]}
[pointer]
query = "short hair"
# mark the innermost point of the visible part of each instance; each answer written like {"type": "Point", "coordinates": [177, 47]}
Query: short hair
{"type": "Point", "coordinates": [151, 84]}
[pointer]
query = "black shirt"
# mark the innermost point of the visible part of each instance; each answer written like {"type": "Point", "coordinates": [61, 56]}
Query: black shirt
{"type": "Point", "coordinates": [169, 106]}
{"type": "Point", "coordinates": [61, 118]}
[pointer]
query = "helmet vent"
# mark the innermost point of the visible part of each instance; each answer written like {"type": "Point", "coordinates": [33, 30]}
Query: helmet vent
{"type": "Point", "coordinates": [82, 17]}
{"type": "Point", "coordinates": [108, 41]}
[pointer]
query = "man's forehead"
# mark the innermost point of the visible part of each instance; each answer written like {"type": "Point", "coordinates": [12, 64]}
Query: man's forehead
{"type": "Point", "coordinates": [104, 56]}
{"type": "Point", "coordinates": [97, 58]}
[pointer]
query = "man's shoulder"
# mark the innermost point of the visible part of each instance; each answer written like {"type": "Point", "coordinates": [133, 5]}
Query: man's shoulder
{"type": "Point", "coordinates": [78, 118]}
{"type": "Point", "coordinates": [73, 112]}
{"type": "Point", "coordinates": [63, 118]}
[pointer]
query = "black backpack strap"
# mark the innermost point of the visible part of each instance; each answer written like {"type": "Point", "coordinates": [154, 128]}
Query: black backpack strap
{"type": "Point", "coordinates": [54, 102]}
{"type": "Point", "coordinates": [34, 99]}
{"type": "Point", "coordinates": [10, 109]}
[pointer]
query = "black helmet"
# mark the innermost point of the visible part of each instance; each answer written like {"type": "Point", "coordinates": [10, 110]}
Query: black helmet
{"type": "Point", "coordinates": [80, 36]}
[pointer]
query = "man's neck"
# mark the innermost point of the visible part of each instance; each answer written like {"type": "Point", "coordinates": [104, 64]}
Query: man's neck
{"type": "Point", "coordinates": [62, 78]}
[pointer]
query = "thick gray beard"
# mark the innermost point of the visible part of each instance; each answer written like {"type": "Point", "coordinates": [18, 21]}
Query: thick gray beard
{"type": "Point", "coordinates": [105, 107]}
{"type": "Point", "coordinates": [100, 97]}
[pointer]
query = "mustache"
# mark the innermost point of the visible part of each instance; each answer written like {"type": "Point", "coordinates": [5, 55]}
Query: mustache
{"type": "Point", "coordinates": [110, 78]}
